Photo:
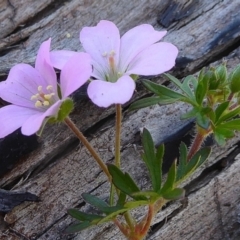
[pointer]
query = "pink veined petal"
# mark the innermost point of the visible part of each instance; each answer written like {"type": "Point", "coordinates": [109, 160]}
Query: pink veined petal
{"type": "Point", "coordinates": [136, 40]}
{"type": "Point", "coordinates": [75, 73]}
{"type": "Point", "coordinates": [156, 59]}
{"type": "Point", "coordinates": [22, 82]}
{"type": "Point", "coordinates": [34, 122]}
{"type": "Point", "coordinates": [60, 57]}
{"type": "Point", "coordinates": [104, 94]}
{"type": "Point", "coordinates": [99, 42]}
{"type": "Point", "coordinates": [44, 66]}
{"type": "Point", "coordinates": [12, 117]}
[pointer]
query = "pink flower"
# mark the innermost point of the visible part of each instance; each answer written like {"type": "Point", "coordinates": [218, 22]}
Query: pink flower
{"type": "Point", "coordinates": [115, 59]}
{"type": "Point", "coordinates": [35, 93]}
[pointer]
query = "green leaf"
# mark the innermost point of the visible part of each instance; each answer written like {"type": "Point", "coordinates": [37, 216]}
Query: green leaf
{"type": "Point", "coordinates": [65, 109]}
{"type": "Point", "coordinates": [152, 160]}
{"type": "Point", "coordinates": [220, 134]}
{"type": "Point", "coordinates": [186, 86]}
{"type": "Point", "coordinates": [221, 73]}
{"type": "Point", "coordinates": [181, 169]}
{"type": "Point", "coordinates": [174, 194]}
{"type": "Point", "coordinates": [202, 120]}
{"type": "Point", "coordinates": [202, 155]}
{"type": "Point", "coordinates": [121, 199]}
{"type": "Point", "coordinates": [235, 80]}
{"type": "Point", "coordinates": [220, 110]}
{"type": "Point", "coordinates": [145, 102]}
{"type": "Point", "coordinates": [162, 90]}
{"type": "Point", "coordinates": [123, 181]}
{"type": "Point", "coordinates": [231, 125]}
{"type": "Point", "coordinates": [81, 216]}
{"type": "Point", "coordinates": [77, 227]}
{"type": "Point", "coordinates": [148, 194]}
{"type": "Point", "coordinates": [94, 201]}
{"type": "Point", "coordinates": [190, 114]}
{"type": "Point", "coordinates": [169, 184]}
{"type": "Point", "coordinates": [220, 139]}
{"type": "Point", "coordinates": [174, 80]}
{"type": "Point", "coordinates": [201, 90]}
{"type": "Point", "coordinates": [231, 114]}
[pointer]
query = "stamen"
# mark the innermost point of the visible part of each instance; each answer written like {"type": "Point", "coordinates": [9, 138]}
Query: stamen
{"type": "Point", "coordinates": [47, 96]}
{"type": "Point", "coordinates": [38, 104]}
{"type": "Point", "coordinates": [39, 88]}
{"type": "Point", "coordinates": [49, 87]}
{"type": "Point", "coordinates": [46, 103]}
{"type": "Point", "coordinates": [34, 97]}
{"type": "Point", "coordinates": [104, 54]}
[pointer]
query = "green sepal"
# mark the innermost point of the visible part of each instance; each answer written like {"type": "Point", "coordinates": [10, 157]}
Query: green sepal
{"type": "Point", "coordinates": [123, 181]}
{"type": "Point", "coordinates": [65, 109]}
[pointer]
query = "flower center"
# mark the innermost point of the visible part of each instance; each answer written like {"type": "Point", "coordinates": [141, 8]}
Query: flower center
{"type": "Point", "coordinates": [113, 75]}
{"type": "Point", "coordinates": [43, 99]}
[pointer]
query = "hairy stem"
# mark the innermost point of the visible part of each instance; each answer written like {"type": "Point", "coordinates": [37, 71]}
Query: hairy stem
{"type": "Point", "coordinates": [85, 142]}
{"type": "Point", "coordinates": [198, 141]}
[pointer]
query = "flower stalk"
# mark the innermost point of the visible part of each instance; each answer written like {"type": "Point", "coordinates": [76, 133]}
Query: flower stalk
{"type": "Point", "coordinates": [85, 142]}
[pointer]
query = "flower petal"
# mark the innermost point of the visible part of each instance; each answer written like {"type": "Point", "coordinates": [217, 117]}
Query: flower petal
{"type": "Point", "coordinates": [100, 41]}
{"type": "Point", "coordinates": [22, 82]}
{"type": "Point", "coordinates": [104, 94]}
{"type": "Point", "coordinates": [12, 117]}
{"type": "Point", "coordinates": [75, 73]}
{"type": "Point", "coordinates": [156, 59]}
{"type": "Point", "coordinates": [44, 66]}
{"type": "Point", "coordinates": [136, 40]}
{"type": "Point", "coordinates": [59, 58]}
{"type": "Point", "coordinates": [34, 122]}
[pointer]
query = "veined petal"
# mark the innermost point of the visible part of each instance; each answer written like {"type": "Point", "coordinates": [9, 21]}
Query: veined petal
{"type": "Point", "coordinates": [44, 65]}
{"type": "Point", "coordinates": [34, 122]}
{"type": "Point", "coordinates": [136, 40]}
{"type": "Point", "coordinates": [60, 57]}
{"type": "Point", "coordinates": [104, 94]}
{"type": "Point", "coordinates": [12, 117]}
{"type": "Point", "coordinates": [75, 73]}
{"type": "Point", "coordinates": [100, 42]}
{"type": "Point", "coordinates": [156, 59]}
{"type": "Point", "coordinates": [22, 82]}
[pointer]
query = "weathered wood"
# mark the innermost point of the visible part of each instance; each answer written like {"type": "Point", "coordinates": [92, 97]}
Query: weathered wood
{"type": "Point", "coordinates": [61, 169]}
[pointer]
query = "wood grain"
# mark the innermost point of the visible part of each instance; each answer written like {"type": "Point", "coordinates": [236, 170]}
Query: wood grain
{"type": "Point", "coordinates": [61, 168]}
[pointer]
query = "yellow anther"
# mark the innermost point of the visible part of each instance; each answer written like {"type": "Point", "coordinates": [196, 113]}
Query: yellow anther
{"type": "Point", "coordinates": [112, 52]}
{"type": "Point", "coordinates": [104, 54]}
{"type": "Point", "coordinates": [47, 96]}
{"type": "Point", "coordinates": [34, 97]}
{"type": "Point", "coordinates": [49, 87]}
{"type": "Point", "coordinates": [46, 103]}
{"type": "Point", "coordinates": [38, 104]}
{"type": "Point", "coordinates": [39, 88]}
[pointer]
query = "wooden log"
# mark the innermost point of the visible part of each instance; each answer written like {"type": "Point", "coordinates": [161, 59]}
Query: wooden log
{"type": "Point", "coordinates": [61, 168]}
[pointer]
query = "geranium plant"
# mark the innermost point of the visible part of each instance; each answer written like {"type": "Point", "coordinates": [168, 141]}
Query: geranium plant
{"type": "Point", "coordinates": [112, 65]}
